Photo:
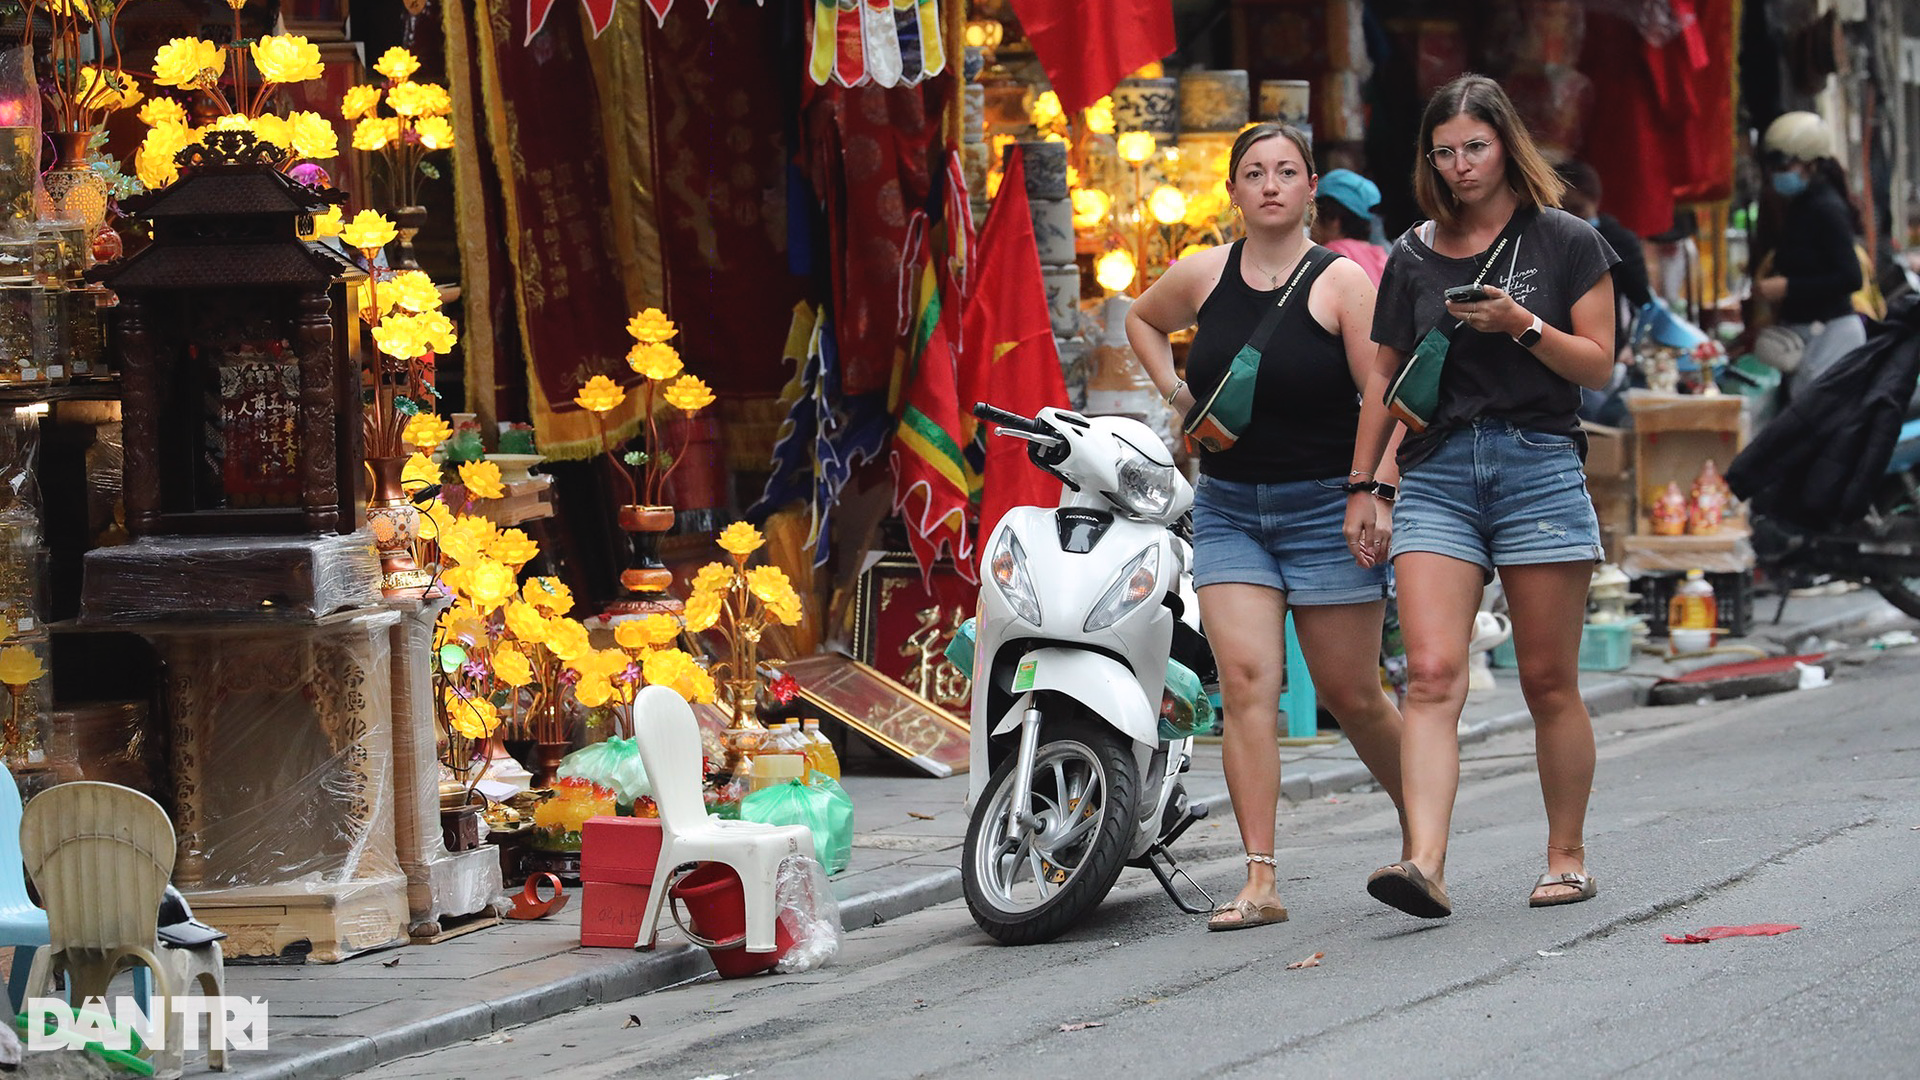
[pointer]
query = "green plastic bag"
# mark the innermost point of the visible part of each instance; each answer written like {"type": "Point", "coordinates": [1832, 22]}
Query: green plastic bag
{"type": "Point", "coordinates": [960, 649]}
{"type": "Point", "coordinates": [1185, 708]}
{"type": "Point", "coordinates": [613, 764]}
{"type": "Point", "coordinates": [820, 804]}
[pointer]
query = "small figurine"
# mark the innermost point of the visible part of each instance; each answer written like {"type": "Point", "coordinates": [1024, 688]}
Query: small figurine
{"type": "Point", "coordinates": [1708, 505]}
{"type": "Point", "coordinates": [106, 244]}
{"type": "Point", "coordinates": [1669, 511]}
{"type": "Point", "coordinates": [1662, 368]}
{"type": "Point", "coordinates": [516, 439]}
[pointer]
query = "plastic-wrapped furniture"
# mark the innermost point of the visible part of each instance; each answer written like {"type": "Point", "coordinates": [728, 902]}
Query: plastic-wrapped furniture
{"type": "Point", "coordinates": [101, 855]}
{"type": "Point", "coordinates": [22, 925]}
{"type": "Point", "coordinates": [669, 740]}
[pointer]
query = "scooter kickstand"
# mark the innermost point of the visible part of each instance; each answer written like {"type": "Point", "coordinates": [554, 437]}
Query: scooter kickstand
{"type": "Point", "coordinates": [1166, 874]}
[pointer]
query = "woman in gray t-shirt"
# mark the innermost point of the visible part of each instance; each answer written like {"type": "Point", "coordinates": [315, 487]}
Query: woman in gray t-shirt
{"type": "Point", "coordinates": [1494, 482]}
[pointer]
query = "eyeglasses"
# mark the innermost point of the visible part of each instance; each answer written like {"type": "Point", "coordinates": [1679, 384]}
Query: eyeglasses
{"type": "Point", "coordinates": [1474, 152]}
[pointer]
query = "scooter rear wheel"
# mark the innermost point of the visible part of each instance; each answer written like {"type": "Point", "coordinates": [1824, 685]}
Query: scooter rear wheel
{"type": "Point", "coordinates": [1028, 886]}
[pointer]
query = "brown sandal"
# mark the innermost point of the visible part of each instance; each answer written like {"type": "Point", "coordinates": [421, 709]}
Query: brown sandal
{"type": "Point", "coordinates": [1251, 914]}
{"type": "Point", "coordinates": [1402, 885]}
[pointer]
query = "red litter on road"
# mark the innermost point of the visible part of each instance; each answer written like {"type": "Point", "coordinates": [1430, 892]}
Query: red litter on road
{"type": "Point", "coordinates": [1715, 933]}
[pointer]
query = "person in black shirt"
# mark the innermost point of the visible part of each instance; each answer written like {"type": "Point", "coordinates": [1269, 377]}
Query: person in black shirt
{"type": "Point", "coordinates": [1811, 271]}
{"type": "Point", "coordinates": [1493, 483]}
{"type": "Point", "coordinates": [1268, 511]}
{"type": "Point", "coordinates": [1582, 200]}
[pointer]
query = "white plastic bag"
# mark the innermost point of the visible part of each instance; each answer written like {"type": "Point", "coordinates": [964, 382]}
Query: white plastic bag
{"type": "Point", "coordinates": [810, 914]}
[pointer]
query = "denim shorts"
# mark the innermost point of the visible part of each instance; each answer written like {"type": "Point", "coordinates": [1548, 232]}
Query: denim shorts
{"type": "Point", "coordinates": [1495, 495]}
{"type": "Point", "coordinates": [1285, 536]}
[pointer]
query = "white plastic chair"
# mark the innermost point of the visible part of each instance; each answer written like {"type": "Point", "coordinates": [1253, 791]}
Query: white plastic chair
{"type": "Point", "coordinates": [669, 739]}
{"type": "Point", "coordinates": [101, 856]}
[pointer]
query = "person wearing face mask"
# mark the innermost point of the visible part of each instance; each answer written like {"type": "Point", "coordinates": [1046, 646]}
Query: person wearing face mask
{"type": "Point", "coordinates": [1268, 509]}
{"type": "Point", "coordinates": [1811, 272]}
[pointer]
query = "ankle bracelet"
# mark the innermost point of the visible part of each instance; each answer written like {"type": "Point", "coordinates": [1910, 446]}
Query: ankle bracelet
{"type": "Point", "coordinates": [1263, 860]}
{"type": "Point", "coordinates": [1568, 850]}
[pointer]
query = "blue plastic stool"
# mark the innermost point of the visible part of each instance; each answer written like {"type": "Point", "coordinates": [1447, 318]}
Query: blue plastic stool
{"type": "Point", "coordinates": [22, 924]}
{"type": "Point", "coordinates": [1298, 701]}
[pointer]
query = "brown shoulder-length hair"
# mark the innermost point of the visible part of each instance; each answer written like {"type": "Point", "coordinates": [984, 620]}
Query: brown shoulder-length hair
{"type": "Point", "coordinates": [1527, 170]}
{"type": "Point", "coordinates": [1263, 131]}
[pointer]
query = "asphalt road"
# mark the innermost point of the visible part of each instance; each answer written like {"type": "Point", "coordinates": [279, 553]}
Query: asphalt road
{"type": "Point", "coordinates": [1799, 808]}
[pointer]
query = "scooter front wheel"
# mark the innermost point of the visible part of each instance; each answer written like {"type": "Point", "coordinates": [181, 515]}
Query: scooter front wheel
{"type": "Point", "coordinates": [1028, 883]}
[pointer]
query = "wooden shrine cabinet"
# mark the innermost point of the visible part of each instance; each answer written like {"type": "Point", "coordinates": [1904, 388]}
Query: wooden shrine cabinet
{"type": "Point", "coordinates": [240, 371]}
{"type": "Point", "coordinates": [249, 570]}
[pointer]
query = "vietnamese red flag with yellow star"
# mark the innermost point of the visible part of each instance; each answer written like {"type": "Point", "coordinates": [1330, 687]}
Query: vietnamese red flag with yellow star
{"type": "Point", "coordinates": [1086, 49]}
{"type": "Point", "coordinates": [1007, 354]}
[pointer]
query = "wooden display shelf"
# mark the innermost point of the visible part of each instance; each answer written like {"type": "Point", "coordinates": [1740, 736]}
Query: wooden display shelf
{"type": "Point", "coordinates": [525, 500]}
{"type": "Point", "coordinates": [91, 389]}
{"type": "Point", "coordinates": [1673, 436]}
{"type": "Point", "coordinates": [1655, 414]}
{"type": "Point", "coordinates": [1729, 551]}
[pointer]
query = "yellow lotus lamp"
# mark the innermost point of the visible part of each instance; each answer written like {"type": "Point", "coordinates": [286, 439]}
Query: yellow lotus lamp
{"type": "Point", "coordinates": [1090, 207]}
{"type": "Point", "coordinates": [1046, 110]}
{"type": "Point", "coordinates": [1114, 270]}
{"type": "Point", "coordinates": [19, 667]}
{"type": "Point", "coordinates": [1135, 147]}
{"type": "Point", "coordinates": [1167, 204]}
{"type": "Point", "coordinates": [1099, 116]}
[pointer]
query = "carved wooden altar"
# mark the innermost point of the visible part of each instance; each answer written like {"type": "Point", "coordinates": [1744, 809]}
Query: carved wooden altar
{"type": "Point", "coordinates": [283, 775]}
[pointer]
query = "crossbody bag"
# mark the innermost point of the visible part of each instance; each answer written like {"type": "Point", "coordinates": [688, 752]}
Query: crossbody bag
{"type": "Point", "coordinates": [1414, 395]}
{"type": "Point", "coordinates": [1217, 422]}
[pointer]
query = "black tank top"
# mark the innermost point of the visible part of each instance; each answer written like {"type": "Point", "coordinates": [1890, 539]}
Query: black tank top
{"type": "Point", "coordinates": [1305, 408]}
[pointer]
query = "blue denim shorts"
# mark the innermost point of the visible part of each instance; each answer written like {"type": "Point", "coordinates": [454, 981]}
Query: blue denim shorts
{"type": "Point", "coordinates": [1284, 536]}
{"type": "Point", "coordinates": [1494, 495]}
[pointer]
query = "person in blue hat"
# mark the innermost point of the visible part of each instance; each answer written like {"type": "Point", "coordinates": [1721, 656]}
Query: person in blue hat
{"type": "Point", "coordinates": [1344, 217]}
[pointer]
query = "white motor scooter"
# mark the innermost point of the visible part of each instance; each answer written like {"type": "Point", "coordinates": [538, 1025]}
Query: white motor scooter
{"type": "Point", "coordinates": [1079, 733]}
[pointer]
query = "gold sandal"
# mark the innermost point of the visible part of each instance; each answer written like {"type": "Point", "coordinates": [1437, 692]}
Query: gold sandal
{"type": "Point", "coordinates": [1251, 914]}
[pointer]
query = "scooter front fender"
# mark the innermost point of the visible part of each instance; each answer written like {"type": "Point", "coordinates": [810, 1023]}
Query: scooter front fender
{"type": "Point", "coordinates": [1096, 680]}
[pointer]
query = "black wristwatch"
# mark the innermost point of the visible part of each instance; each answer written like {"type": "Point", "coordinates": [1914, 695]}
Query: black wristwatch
{"type": "Point", "coordinates": [1375, 488]}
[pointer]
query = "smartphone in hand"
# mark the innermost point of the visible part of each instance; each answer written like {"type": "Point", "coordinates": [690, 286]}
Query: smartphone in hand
{"type": "Point", "coordinates": [1466, 294]}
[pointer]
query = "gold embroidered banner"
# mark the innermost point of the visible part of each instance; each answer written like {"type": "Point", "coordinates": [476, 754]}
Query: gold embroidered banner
{"type": "Point", "coordinates": [549, 156]}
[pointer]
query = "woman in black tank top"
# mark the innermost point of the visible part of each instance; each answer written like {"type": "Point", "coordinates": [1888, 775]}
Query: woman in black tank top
{"type": "Point", "coordinates": [1268, 511]}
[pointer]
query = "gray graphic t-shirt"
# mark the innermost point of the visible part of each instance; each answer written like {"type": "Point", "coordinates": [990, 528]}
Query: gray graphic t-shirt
{"type": "Point", "coordinates": [1550, 266]}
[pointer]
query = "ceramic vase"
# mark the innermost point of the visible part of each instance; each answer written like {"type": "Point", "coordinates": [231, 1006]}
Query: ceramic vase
{"type": "Point", "coordinates": [395, 523]}
{"type": "Point", "coordinates": [75, 192]}
{"type": "Point", "coordinates": [407, 223]}
{"type": "Point", "coordinates": [645, 579]}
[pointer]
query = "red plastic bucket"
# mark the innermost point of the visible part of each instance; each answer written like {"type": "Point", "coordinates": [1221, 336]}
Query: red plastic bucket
{"type": "Point", "coordinates": [717, 912]}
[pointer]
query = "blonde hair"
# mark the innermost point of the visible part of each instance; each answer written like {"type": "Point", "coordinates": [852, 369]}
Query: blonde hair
{"type": "Point", "coordinates": [1528, 173]}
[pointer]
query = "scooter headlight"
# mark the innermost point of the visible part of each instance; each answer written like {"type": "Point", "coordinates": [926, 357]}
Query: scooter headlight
{"type": "Point", "coordinates": [1009, 569]}
{"type": "Point", "coordinates": [1146, 487]}
{"type": "Point", "coordinates": [1131, 586]}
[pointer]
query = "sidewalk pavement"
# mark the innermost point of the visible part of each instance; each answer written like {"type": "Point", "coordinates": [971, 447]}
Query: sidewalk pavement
{"type": "Point", "coordinates": [334, 1020]}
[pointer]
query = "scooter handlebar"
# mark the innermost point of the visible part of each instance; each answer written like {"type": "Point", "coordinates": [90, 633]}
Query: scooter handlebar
{"type": "Point", "coordinates": [1010, 420]}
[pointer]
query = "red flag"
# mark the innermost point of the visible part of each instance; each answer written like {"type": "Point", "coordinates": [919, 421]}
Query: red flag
{"type": "Point", "coordinates": [1088, 48]}
{"type": "Point", "coordinates": [932, 483]}
{"type": "Point", "coordinates": [1007, 355]}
